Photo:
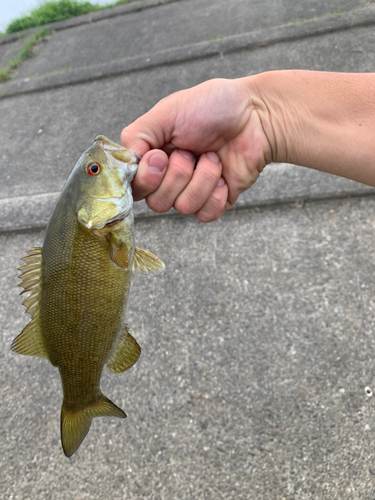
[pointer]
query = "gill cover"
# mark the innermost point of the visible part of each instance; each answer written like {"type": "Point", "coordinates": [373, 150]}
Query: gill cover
{"type": "Point", "coordinates": [105, 173]}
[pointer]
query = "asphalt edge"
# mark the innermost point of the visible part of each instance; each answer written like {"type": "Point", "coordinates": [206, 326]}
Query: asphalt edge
{"type": "Point", "coordinates": [247, 41]}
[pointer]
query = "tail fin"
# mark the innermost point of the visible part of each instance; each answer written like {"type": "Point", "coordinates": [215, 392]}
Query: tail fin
{"type": "Point", "coordinates": [76, 424]}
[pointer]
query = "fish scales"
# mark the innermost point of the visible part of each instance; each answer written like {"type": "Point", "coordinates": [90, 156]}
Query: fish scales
{"type": "Point", "coordinates": [91, 300]}
{"type": "Point", "coordinates": [79, 283]}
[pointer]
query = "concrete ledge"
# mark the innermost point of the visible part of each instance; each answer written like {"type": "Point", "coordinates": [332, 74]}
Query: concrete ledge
{"type": "Point", "coordinates": [92, 17]}
{"type": "Point", "coordinates": [33, 212]}
{"type": "Point", "coordinates": [278, 184]}
{"type": "Point", "coordinates": [246, 41]}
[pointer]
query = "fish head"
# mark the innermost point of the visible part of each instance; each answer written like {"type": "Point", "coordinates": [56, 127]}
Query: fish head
{"type": "Point", "coordinates": [105, 172]}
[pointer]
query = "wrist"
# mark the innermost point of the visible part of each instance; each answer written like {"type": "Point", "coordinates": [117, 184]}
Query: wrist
{"type": "Point", "coordinates": [319, 120]}
{"type": "Point", "coordinates": [265, 99]}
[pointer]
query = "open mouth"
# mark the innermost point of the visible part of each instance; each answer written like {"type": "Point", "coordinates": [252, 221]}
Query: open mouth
{"type": "Point", "coordinates": [118, 218]}
{"type": "Point", "coordinates": [114, 221]}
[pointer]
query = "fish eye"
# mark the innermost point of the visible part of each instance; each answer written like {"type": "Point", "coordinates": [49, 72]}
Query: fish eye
{"type": "Point", "coordinates": [93, 169]}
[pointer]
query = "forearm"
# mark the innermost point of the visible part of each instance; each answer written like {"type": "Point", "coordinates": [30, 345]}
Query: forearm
{"type": "Point", "coordinates": [324, 121]}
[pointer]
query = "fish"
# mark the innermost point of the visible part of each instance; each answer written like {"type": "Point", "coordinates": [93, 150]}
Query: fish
{"type": "Point", "coordinates": [79, 283]}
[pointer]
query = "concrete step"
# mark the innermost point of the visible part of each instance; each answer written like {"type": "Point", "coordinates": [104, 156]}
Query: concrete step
{"type": "Point", "coordinates": [9, 51]}
{"type": "Point", "coordinates": [133, 29]}
{"type": "Point", "coordinates": [45, 131]}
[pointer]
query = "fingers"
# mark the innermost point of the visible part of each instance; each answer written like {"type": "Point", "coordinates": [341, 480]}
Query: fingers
{"type": "Point", "coordinates": [151, 171]}
{"type": "Point", "coordinates": [203, 182]}
{"type": "Point", "coordinates": [200, 191]}
{"type": "Point", "coordinates": [215, 206]}
{"type": "Point", "coordinates": [154, 129]}
{"type": "Point", "coordinates": [179, 182]}
{"type": "Point", "coordinates": [132, 139]}
{"type": "Point", "coordinates": [179, 173]}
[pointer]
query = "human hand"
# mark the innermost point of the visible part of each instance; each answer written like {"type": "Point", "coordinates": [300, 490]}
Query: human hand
{"type": "Point", "coordinates": [217, 122]}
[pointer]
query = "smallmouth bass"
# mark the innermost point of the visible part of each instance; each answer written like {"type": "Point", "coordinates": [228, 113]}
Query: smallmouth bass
{"type": "Point", "coordinates": [79, 284]}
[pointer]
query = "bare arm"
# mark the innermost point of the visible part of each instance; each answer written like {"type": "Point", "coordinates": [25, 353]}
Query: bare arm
{"type": "Point", "coordinates": [319, 120]}
{"type": "Point", "coordinates": [324, 121]}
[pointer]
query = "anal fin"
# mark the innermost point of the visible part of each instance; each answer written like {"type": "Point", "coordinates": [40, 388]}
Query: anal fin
{"type": "Point", "coordinates": [126, 354]}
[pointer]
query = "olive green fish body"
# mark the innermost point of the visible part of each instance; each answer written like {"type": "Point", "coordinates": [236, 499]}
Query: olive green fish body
{"type": "Point", "coordinates": [79, 283]}
{"type": "Point", "coordinates": [82, 303]}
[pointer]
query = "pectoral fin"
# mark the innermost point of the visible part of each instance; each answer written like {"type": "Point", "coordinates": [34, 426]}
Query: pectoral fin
{"type": "Point", "coordinates": [146, 262]}
{"type": "Point", "coordinates": [118, 252]}
{"type": "Point", "coordinates": [126, 354]}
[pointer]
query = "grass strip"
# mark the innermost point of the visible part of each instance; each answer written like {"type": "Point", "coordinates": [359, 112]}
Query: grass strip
{"type": "Point", "coordinates": [24, 53]}
{"type": "Point", "coordinates": [56, 10]}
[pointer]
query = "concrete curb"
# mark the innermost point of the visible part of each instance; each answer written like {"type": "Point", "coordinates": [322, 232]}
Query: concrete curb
{"type": "Point", "coordinates": [92, 17]}
{"type": "Point", "coordinates": [33, 212]}
{"type": "Point", "coordinates": [246, 41]}
{"type": "Point", "coordinates": [279, 184]}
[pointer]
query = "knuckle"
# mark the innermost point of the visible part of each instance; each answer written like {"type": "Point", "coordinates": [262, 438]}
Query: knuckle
{"type": "Point", "coordinates": [205, 217]}
{"type": "Point", "coordinates": [219, 197]}
{"type": "Point", "coordinates": [211, 174]}
{"type": "Point", "coordinates": [124, 135]}
{"type": "Point", "coordinates": [183, 206]}
{"type": "Point", "coordinates": [182, 174]}
{"type": "Point", "coordinates": [210, 212]}
{"type": "Point", "coordinates": [214, 207]}
{"type": "Point", "coordinates": [158, 205]}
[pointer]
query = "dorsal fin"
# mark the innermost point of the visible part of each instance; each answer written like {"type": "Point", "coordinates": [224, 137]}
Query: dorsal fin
{"type": "Point", "coordinates": [146, 262]}
{"type": "Point", "coordinates": [31, 278]}
{"type": "Point", "coordinates": [30, 341]}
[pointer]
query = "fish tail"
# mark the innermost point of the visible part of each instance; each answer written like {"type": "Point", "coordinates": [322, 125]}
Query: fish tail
{"type": "Point", "coordinates": [75, 424]}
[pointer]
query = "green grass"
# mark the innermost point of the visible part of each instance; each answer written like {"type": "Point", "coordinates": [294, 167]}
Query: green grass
{"type": "Point", "coordinates": [25, 52]}
{"type": "Point", "coordinates": [217, 37]}
{"type": "Point", "coordinates": [57, 10]}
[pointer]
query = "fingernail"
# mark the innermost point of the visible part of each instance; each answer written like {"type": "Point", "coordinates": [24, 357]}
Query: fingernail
{"type": "Point", "coordinates": [221, 182]}
{"type": "Point", "coordinates": [157, 163]}
{"type": "Point", "coordinates": [187, 154]}
{"type": "Point", "coordinates": [213, 156]}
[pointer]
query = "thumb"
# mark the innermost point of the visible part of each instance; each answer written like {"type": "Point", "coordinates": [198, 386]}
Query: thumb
{"type": "Point", "coordinates": [150, 173]}
{"type": "Point", "coordinates": [131, 140]}
{"type": "Point", "coordinates": [153, 130]}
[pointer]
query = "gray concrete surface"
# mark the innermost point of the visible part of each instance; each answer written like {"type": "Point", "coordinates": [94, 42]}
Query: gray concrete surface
{"type": "Point", "coordinates": [258, 341]}
{"type": "Point", "coordinates": [26, 79]}
{"type": "Point", "coordinates": [278, 184]}
{"type": "Point", "coordinates": [172, 25]}
{"type": "Point", "coordinates": [9, 51]}
{"type": "Point", "coordinates": [44, 133]}
{"type": "Point", "coordinates": [258, 344]}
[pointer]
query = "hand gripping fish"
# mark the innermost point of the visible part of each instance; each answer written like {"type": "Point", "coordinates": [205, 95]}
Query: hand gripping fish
{"type": "Point", "coordinates": [79, 283]}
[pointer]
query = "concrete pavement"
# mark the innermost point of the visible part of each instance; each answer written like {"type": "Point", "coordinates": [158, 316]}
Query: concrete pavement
{"type": "Point", "coordinates": [257, 347]}
{"type": "Point", "coordinates": [258, 341]}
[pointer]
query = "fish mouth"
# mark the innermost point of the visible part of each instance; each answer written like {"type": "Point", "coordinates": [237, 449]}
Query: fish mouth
{"type": "Point", "coordinates": [114, 221]}
{"type": "Point", "coordinates": [118, 218]}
